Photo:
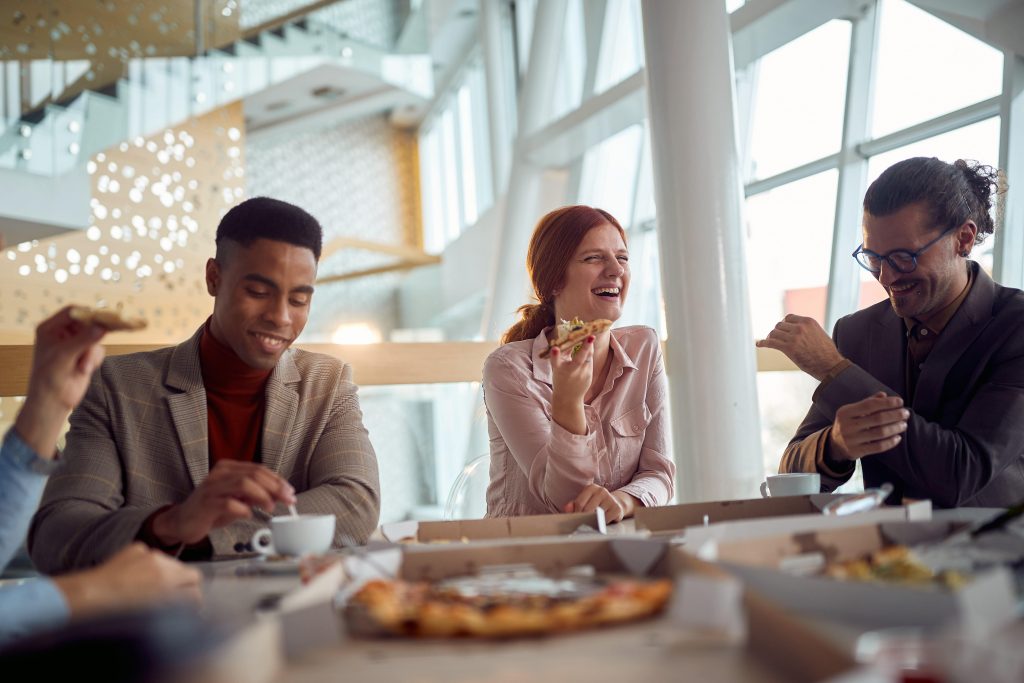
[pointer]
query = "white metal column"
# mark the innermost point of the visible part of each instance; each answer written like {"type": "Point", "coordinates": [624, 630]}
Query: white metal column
{"type": "Point", "coordinates": [710, 357]}
{"type": "Point", "coordinates": [1009, 244]}
{"type": "Point", "coordinates": [495, 31]}
{"type": "Point", "coordinates": [594, 13]}
{"type": "Point", "coordinates": [509, 286]}
{"type": "Point", "coordinates": [844, 276]}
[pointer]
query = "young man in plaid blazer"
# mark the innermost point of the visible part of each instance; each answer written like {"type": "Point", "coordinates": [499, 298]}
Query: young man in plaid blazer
{"type": "Point", "coordinates": [176, 447]}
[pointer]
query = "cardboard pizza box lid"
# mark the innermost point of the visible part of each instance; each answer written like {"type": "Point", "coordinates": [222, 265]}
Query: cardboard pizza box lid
{"type": "Point", "coordinates": [767, 564]}
{"type": "Point", "coordinates": [708, 600]}
{"type": "Point", "coordinates": [496, 528]}
{"type": "Point", "coordinates": [677, 519]}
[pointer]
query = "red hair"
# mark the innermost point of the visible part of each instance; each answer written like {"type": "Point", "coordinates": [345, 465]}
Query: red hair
{"type": "Point", "coordinates": [554, 241]}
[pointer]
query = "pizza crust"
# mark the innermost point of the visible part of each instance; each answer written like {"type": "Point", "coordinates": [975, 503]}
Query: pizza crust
{"type": "Point", "coordinates": [106, 318]}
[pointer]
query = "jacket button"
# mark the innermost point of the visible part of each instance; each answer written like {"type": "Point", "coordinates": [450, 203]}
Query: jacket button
{"type": "Point", "coordinates": [636, 428]}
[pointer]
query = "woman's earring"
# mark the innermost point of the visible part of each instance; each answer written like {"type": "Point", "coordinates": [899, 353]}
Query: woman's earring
{"type": "Point", "coordinates": [965, 253]}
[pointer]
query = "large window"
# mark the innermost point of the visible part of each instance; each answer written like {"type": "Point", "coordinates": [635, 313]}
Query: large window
{"type": "Point", "coordinates": [789, 250]}
{"type": "Point", "coordinates": [924, 68]}
{"type": "Point", "coordinates": [792, 104]}
{"type": "Point", "coordinates": [455, 173]}
{"type": "Point", "coordinates": [927, 68]}
{"type": "Point", "coordinates": [798, 105]}
{"type": "Point", "coordinates": [622, 46]}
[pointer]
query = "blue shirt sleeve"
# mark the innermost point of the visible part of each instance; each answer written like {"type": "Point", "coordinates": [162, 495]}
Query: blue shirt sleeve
{"type": "Point", "coordinates": [35, 605]}
{"type": "Point", "coordinates": [22, 478]}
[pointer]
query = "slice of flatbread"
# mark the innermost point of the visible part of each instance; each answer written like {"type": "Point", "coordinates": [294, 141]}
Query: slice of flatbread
{"type": "Point", "coordinates": [104, 317]}
{"type": "Point", "coordinates": [566, 341]}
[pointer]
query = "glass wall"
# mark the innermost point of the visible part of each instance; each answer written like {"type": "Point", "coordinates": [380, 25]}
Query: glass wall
{"type": "Point", "coordinates": [926, 74]}
{"type": "Point", "coordinates": [455, 170]}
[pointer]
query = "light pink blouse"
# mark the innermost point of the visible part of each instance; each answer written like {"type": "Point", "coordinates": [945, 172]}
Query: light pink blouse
{"type": "Point", "coordinates": [537, 466]}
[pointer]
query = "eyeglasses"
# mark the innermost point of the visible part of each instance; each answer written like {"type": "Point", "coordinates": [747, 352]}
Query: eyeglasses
{"type": "Point", "coordinates": [901, 260]}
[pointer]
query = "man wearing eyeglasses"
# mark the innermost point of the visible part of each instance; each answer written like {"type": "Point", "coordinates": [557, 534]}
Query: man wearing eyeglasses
{"type": "Point", "coordinates": [927, 389]}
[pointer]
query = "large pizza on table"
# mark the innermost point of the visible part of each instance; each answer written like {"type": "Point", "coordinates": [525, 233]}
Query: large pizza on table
{"type": "Point", "coordinates": [503, 604]}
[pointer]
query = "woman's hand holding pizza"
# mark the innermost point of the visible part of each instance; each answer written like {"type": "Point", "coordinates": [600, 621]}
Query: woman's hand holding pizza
{"type": "Point", "coordinates": [571, 375]}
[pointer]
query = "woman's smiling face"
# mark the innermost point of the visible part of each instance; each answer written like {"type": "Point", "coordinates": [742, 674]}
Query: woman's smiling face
{"type": "Point", "coordinates": [597, 278]}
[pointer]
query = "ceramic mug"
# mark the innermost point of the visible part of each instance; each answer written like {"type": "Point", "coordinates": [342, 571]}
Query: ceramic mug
{"type": "Point", "coordinates": [295, 535]}
{"type": "Point", "coordinates": [794, 484]}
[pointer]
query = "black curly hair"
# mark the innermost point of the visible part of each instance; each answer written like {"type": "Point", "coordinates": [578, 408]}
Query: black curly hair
{"type": "Point", "coordinates": [954, 193]}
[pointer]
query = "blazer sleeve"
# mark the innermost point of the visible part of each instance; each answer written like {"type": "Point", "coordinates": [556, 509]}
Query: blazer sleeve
{"type": "Point", "coordinates": [82, 519]}
{"type": "Point", "coordinates": [654, 481]}
{"type": "Point", "coordinates": [343, 476]}
{"type": "Point", "coordinates": [556, 462]}
{"type": "Point", "coordinates": [952, 464]}
{"type": "Point", "coordinates": [806, 450]}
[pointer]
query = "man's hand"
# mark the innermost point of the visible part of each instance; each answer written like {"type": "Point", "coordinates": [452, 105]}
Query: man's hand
{"type": "Point", "coordinates": [133, 577]}
{"type": "Point", "coordinates": [617, 506]}
{"type": "Point", "coordinates": [66, 354]}
{"type": "Point", "coordinates": [228, 494]}
{"type": "Point", "coordinates": [866, 427]}
{"type": "Point", "coordinates": [805, 343]}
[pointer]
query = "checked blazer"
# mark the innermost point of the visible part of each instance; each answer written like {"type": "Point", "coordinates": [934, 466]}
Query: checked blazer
{"type": "Point", "coordinates": [138, 442]}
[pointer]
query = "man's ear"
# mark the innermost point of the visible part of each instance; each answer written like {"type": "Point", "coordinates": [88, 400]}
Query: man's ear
{"type": "Point", "coordinates": [212, 276]}
{"type": "Point", "coordinates": [965, 237]}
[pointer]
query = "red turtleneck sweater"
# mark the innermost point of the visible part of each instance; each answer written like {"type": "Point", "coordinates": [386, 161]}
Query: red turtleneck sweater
{"type": "Point", "coordinates": [235, 401]}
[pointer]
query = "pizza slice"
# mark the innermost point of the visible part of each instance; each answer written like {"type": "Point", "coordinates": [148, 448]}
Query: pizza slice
{"type": "Point", "coordinates": [568, 335]}
{"type": "Point", "coordinates": [113, 321]}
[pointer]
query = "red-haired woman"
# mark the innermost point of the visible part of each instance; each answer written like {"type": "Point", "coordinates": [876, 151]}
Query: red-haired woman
{"type": "Point", "coordinates": [583, 430]}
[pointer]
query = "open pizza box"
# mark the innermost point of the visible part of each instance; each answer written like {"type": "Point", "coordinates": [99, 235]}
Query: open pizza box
{"type": "Point", "coordinates": [709, 611]}
{"type": "Point", "coordinates": [464, 530]}
{"type": "Point", "coordinates": [754, 517]}
{"type": "Point", "coordinates": [786, 569]}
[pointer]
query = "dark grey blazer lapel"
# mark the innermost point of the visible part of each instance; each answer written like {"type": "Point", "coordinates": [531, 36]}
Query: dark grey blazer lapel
{"type": "Point", "coordinates": [886, 350]}
{"type": "Point", "coordinates": [188, 408]}
{"type": "Point", "coordinates": [967, 323]}
{"type": "Point", "coordinates": [282, 405]}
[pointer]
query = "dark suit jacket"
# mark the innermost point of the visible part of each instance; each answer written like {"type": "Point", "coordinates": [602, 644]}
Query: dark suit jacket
{"type": "Point", "coordinates": [138, 441]}
{"type": "Point", "coordinates": [964, 444]}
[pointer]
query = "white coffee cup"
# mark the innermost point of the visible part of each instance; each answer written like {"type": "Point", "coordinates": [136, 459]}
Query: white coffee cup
{"type": "Point", "coordinates": [295, 535]}
{"type": "Point", "coordinates": [793, 484]}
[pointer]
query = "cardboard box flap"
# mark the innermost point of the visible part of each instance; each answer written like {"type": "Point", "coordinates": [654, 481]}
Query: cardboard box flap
{"type": "Point", "coordinates": [985, 603]}
{"type": "Point", "coordinates": [407, 529]}
{"type": "Point", "coordinates": [638, 555]}
{"type": "Point", "coordinates": [788, 524]}
{"type": "Point", "coordinates": [498, 527]}
{"type": "Point", "coordinates": [834, 545]}
{"type": "Point", "coordinates": [550, 554]}
{"type": "Point", "coordinates": [905, 533]}
{"type": "Point", "coordinates": [676, 517]}
{"type": "Point", "coordinates": [712, 605]}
